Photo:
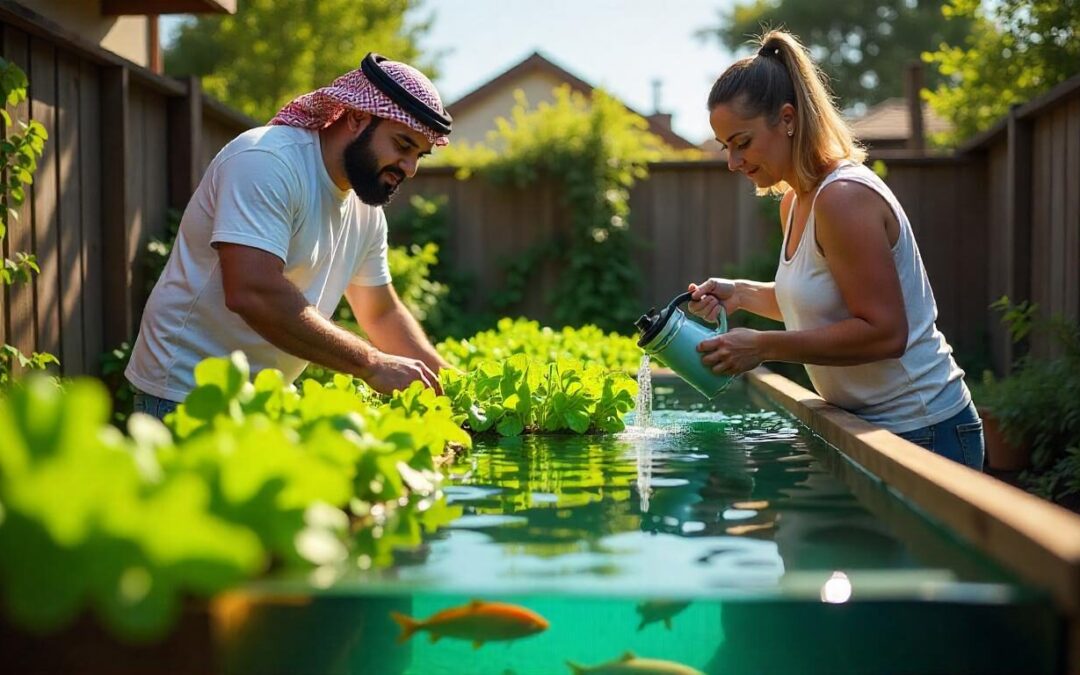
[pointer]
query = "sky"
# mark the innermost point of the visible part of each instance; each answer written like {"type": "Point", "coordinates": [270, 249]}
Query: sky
{"type": "Point", "coordinates": [620, 45]}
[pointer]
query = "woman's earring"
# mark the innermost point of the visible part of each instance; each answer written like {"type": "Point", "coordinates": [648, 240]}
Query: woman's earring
{"type": "Point", "coordinates": [790, 132]}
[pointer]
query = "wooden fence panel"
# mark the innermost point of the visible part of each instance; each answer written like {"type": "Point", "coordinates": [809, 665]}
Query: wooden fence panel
{"type": "Point", "coordinates": [215, 135]}
{"type": "Point", "coordinates": [1056, 217]}
{"type": "Point", "coordinates": [998, 240]}
{"type": "Point", "coordinates": [42, 76]}
{"type": "Point", "coordinates": [689, 218]}
{"type": "Point", "coordinates": [91, 253]}
{"type": "Point", "coordinates": [20, 236]}
{"type": "Point", "coordinates": [1071, 187]}
{"type": "Point", "coordinates": [66, 141]}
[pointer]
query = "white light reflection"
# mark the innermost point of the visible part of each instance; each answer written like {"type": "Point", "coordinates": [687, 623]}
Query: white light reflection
{"type": "Point", "coordinates": [837, 590]}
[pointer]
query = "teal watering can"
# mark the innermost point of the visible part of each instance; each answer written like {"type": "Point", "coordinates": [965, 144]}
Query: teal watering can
{"type": "Point", "coordinates": [672, 337]}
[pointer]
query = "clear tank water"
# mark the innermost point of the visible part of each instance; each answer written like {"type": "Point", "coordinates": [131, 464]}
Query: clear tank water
{"type": "Point", "coordinates": [772, 552]}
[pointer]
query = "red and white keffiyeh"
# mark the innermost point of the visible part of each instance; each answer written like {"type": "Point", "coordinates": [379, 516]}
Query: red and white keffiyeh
{"type": "Point", "coordinates": [322, 107]}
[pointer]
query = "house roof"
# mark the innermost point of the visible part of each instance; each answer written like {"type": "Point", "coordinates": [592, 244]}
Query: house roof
{"type": "Point", "coordinates": [117, 7]}
{"type": "Point", "coordinates": [889, 121]}
{"type": "Point", "coordinates": [535, 63]}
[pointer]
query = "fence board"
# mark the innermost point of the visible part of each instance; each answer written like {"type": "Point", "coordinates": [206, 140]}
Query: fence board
{"type": "Point", "coordinates": [70, 221]}
{"type": "Point", "coordinates": [91, 253]}
{"type": "Point", "coordinates": [1056, 127]}
{"type": "Point", "coordinates": [998, 239]}
{"type": "Point", "coordinates": [153, 195]}
{"type": "Point", "coordinates": [46, 199]}
{"type": "Point", "coordinates": [20, 237]}
{"type": "Point", "coordinates": [1071, 185]}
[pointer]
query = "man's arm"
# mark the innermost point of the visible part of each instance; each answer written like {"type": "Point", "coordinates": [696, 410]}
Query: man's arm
{"type": "Point", "coordinates": [389, 325]}
{"type": "Point", "coordinates": [257, 290]}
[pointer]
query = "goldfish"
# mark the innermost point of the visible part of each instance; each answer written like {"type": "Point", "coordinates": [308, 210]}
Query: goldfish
{"type": "Point", "coordinates": [659, 610]}
{"type": "Point", "coordinates": [477, 621]}
{"type": "Point", "coordinates": [629, 664]}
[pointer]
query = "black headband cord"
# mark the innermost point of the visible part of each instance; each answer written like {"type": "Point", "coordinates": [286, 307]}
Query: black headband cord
{"type": "Point", "coordinates": [382, 80]}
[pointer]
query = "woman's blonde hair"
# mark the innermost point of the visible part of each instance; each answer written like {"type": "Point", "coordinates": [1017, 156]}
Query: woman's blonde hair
{"type": "Point", "coordinates": [783, 72]}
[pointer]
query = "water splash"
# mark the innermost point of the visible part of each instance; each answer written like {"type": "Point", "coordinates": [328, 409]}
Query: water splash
{"type": "Point", "coordinates": [644, 475]}
{"type": "Point", "coordinates": [643, 411]}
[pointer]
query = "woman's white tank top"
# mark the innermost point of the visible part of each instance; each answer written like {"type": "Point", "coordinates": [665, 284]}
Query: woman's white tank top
{"type": "Point", "coordinates": [922, 387]}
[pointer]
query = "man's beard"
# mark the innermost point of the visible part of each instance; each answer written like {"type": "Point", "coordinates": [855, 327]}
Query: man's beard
{"type": "Point", "coordinates": [365, 176]}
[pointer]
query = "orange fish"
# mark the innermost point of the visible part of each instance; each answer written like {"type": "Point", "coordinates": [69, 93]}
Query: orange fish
{"type": "Point", "coordinates": [477, 621]}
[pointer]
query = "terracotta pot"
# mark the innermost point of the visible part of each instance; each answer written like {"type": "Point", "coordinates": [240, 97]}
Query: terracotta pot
{"type": "Point", "coordinates": [1001, 455]}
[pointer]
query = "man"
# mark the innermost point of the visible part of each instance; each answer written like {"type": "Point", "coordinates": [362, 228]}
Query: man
{"type": "Point", "coordinates": [286, 220]}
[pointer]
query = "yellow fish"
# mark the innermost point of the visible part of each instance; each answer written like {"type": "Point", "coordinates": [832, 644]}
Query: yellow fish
{"type": "Point", "coordinates": [629, 664]}
{"type": "Point", "coordinates": [477, 621]}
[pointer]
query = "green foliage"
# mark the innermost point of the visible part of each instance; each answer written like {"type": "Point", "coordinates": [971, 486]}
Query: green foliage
{"type": "Point", "coordinates": [1014, 50]}
{"type": "Point", "coordinates": [522, 336]}
{"type": "Point", "coordinates": [254, 475]}
{"type": "Point", "coordinates": [596, 150]}
{"type": "Point", "coordinates": [271, 51]}
{"type": "Point", "coordinates": [519, 395]}
{"type": "Point", "coordinates": [1039, 402]}
{"type": "Point", "coordinates": [411, 270]}
{"type": "Point", "coordinates": [19, 153]}
{"type": "Point", "coordinates": [862, 45]}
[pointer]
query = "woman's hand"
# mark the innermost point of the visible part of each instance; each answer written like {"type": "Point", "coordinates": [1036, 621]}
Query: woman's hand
{"type": "Point", "coordinates": [734, 352]}
{"type": "Point", "coordinates": [709, 295]}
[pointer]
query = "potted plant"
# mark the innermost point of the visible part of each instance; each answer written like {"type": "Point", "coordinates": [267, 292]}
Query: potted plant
{"type": "Point", "coordinates": [1036, 409]}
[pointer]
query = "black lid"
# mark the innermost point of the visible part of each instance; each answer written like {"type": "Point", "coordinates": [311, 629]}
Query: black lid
{"type": "Point", "coordinates": [651, 323]}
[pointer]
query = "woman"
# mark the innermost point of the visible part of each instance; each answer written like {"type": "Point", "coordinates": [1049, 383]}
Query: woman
{"type": "Point", "coordinates": [850, 287]}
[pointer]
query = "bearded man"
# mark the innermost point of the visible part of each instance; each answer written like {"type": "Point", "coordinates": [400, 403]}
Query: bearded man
{"type": "Point", "coordinates": [286, 220]}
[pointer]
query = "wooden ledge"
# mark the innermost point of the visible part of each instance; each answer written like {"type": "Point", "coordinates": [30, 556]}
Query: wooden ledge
{"type": "Point", "coordinates": [1037, 540]}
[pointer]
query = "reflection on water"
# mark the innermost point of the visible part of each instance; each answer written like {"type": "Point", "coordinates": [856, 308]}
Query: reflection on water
{"type": "Point", "coordinates": [703, 538]}
{"type": "Point", "coordinates": [741, 502]}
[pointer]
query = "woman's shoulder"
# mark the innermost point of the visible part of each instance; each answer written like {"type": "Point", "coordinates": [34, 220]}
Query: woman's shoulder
{"type": "Point", "coordinates": [849, 185]}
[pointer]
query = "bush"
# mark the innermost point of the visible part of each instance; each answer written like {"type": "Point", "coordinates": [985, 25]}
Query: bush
{"type": "Point", "coordinates": [1039, 402]}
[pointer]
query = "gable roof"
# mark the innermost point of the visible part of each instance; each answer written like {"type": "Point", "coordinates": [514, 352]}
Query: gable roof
{"type": "Point", "coordinates": [537, 63]}
{"type": "Point", "coordinates": [889, 121]}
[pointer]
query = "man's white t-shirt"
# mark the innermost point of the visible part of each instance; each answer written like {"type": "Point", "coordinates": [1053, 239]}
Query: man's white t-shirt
{"type": "Point", "coordinates": [267, 189]}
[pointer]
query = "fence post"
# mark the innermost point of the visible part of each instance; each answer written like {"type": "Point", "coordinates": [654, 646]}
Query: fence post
{"type": "Point", "coordinates": [185, 143]}
{"type": "Point", "coordinates": [116, 205]}
{"type": "Point", "coordinates": [1018, 205]}
{"type": "Point", "coordinates": [913, 84]}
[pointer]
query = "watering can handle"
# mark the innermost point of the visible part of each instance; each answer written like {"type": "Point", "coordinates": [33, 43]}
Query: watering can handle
{"type": "Point", "coordinates": [721, 317]}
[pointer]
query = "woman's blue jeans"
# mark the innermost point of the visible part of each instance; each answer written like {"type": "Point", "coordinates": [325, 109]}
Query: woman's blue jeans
{"type": "Point", "coordinates": [959, 438]}
{"type": "Point", "coordinates": [152, 405]}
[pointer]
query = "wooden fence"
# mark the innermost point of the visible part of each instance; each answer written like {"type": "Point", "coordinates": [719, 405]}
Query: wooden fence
{"type": "Point", "coordinates": [124, 146]}
{"type": "Point", "coordinates": [690, 219]}
{"type": "Point", "coordinates": [1000, 216]}
{"type": "Point", "coordinates": [1028, 169]}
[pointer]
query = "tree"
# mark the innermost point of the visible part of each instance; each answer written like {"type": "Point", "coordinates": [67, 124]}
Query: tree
{"type": "Point", "coordinates": [271, 51]}
{"type": "Point", "coordinates": [862, 45]}
{"type": "Point", "coordinates": [1016, 50]}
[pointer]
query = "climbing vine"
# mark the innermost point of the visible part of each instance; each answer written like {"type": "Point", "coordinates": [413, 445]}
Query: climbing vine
{"type": "Point", "coordinates": [19, 153]}
{"type": "Point", "coordinates": [596, 149]}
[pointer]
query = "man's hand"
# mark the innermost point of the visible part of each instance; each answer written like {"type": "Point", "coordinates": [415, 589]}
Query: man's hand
{"type": "Point", "coordinates": [709, 295]}
{"type": "Point", "coordinates": [388, 373]}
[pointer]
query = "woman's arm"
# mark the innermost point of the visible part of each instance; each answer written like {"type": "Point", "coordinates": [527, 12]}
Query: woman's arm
{"type": "Point", "coordinates": [851, 230]}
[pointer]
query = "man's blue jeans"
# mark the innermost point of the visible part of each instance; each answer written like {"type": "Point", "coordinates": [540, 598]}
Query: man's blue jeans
{"type": "Point", "coordinates": [152, 405]}
{"type": "Point", "coordinates": [959, 438]}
